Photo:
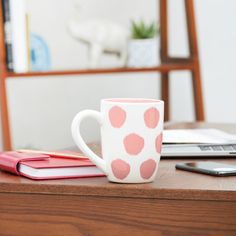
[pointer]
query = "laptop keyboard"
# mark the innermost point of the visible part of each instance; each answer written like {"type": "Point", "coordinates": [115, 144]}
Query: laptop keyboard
{"type": "Point", "coordinates": [228, 147]}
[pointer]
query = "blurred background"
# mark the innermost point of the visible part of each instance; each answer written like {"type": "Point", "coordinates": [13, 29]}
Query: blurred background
{"type": "Point", "coordinates": [41, 109]}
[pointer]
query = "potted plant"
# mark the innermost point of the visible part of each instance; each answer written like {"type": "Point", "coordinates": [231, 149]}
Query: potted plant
{"type": "Point", "coordinates": [143, 47]}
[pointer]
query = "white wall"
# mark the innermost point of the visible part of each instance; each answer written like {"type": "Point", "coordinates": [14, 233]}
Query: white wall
{"type": "Point", "coordinates": [42, 109]}
{"type": "Point", "coordinates": [217, 34]}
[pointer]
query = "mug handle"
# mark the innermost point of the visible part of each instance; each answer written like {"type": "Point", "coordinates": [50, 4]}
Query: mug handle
{"type": "Point", "coordinates": [75, 129]}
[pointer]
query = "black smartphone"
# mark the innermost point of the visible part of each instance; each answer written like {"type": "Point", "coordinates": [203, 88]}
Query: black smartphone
{"type": "Point", "coordinates": [208, 167]}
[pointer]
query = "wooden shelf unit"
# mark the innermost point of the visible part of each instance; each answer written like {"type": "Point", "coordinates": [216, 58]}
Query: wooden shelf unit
{"type": "Point", "coordinates": [168, 64]}
{"type": "Point", "coordinates": [162, 68]}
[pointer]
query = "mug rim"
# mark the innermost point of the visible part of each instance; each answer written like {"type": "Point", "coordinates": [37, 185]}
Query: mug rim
{"type": "Point", "coordinates": [132, 101]}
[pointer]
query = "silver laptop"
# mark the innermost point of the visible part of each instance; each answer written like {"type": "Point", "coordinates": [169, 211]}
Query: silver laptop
{"type": "Point", "coordinates": [198, 150]}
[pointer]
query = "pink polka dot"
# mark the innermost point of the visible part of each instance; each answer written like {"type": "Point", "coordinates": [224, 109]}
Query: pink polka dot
{"type": "Point", "coordinates": [120, 168]}
{"type": "Point", "coordinates": [117, 116]}
{"type": "Point", "coordinates": [133, 144]}
{"type": "Point", "coordinates": [151, 117]}
{"type": "Point", "coordinates": [159, 143]}
{"type": "Point", "coordinates": [147, 168]}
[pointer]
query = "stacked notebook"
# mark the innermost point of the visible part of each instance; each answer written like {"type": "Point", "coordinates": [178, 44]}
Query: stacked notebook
{"type": "Point", "coordinates": [198, 143]}
{"type": "Point", "coordinates": [41, 166]}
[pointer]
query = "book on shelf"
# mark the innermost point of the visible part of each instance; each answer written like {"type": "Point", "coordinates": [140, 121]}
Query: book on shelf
{"type": "Point", "coordinates": [43, 167]}
{"type": "Point", "coordinates": [19, 36]}
{"type": "Point", "coordinates": [16, 32]}
{"type": "Point", "coordinates": [7, 33]}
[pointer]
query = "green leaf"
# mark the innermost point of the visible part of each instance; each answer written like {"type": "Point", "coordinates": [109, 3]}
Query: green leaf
{"type": "Point", "coordinates": [141, 30]}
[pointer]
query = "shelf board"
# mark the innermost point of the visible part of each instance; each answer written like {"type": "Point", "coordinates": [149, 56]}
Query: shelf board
{"type": "Point", "coordinates": [161, 68]}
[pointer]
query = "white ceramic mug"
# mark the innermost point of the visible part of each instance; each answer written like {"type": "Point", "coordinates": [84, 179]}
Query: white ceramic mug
{"type": "Point", "coordinates": [131, 138]}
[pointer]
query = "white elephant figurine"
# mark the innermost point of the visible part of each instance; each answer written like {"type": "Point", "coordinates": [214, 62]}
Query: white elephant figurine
{"type": "Point", "coordinates": [103, 36]}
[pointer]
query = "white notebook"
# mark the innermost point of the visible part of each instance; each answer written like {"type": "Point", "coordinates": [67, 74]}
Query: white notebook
{"type": "Point", "coordinates": [213, 136]}
{"type": "Point", "coordinates": [198, 143]}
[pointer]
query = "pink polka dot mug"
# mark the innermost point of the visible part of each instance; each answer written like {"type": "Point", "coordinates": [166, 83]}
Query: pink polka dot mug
{"type": "Point", "coordinates": [131, 138]}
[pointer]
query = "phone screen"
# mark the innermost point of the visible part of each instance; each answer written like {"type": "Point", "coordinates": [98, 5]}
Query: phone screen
{"type": "Point", "coordinates": [208, 167]}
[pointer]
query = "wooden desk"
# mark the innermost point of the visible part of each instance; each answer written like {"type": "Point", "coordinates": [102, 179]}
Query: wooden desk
{"type": "Point", "coordinates": [177, 203]}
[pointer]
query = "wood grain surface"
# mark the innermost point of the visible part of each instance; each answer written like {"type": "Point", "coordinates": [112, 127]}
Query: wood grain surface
{"type": "Point", "coordinates": [169, 184]}
{"type": "Point", "coordinates": [22, 214]}
{"type": "Point", "coordinates": [176, 203]}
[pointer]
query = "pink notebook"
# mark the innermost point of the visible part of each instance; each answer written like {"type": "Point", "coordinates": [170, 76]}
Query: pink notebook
{"type": "Point", "coordinates": [36, 166]}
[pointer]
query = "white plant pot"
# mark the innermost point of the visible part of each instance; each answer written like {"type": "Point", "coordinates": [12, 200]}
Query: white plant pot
{"type": "Point", "coordinates": [143, 52]}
